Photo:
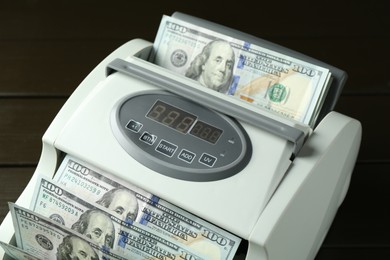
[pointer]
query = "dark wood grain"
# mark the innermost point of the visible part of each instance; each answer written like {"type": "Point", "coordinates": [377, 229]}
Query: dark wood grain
{"type": "Point", "coordinates": [48, 68]}
{"type": "Point", "coordinates": [13, 181]}
{"type": "Point", "coordinates": [362, 218]}
{"type": "Point", "coordinates": [47, 49]}
{"type": "Point", "coordinates": [23, 123]}
{"type": "Point", "coordinates": [371, 111]}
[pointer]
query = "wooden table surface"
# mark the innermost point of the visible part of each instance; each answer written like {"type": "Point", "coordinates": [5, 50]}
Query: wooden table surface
{"type": "Point", "coordinates": [47, 48]}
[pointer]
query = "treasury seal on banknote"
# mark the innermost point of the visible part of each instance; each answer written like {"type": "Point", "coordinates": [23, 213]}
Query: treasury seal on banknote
{"type": "Point", "coordinates": [44, 242]}
{"type": "Point", "coordinates": [57, 218]}
{"type": "Point", "coordinates": [179, 58]}
{"type": "Point", "coordinates": [277, 93]}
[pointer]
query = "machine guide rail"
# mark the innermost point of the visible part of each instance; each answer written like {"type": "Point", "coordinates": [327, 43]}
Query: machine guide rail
{"type": "Point", "coordinates": [182, 86]}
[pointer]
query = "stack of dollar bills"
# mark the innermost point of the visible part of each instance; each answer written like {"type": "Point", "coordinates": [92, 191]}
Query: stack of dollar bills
{"type": "Point", "coordinates": [86, 213]}
{"type": "Point", "coordinates": [267, 79]}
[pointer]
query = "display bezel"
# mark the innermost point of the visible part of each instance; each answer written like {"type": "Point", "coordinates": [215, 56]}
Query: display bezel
{"type": "Point", "coordinates": [211, 162]}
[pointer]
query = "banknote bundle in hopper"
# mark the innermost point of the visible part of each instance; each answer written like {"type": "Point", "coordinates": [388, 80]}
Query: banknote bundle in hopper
{"type": "Point", "coordinates": [86, 209]}
{"type": "Point", "coordinates": [267, 79]}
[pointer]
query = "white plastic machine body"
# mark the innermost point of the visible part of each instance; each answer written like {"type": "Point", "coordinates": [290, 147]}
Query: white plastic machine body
{"type": "Point", "coordinates": [281, 196]}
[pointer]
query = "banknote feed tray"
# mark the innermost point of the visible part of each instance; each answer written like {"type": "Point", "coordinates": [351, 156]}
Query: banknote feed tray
{"type": "Point", "coordinates": [338, 76]}
{"type": "Point", "coordinates": [287, 179]}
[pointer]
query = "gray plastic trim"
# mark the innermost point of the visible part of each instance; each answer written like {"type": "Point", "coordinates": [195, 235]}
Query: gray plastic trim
{"type": "Point", "coordinates": [294, 135]}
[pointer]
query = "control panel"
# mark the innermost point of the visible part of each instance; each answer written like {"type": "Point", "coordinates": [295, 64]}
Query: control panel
{"type": "Point", "coordinates": [179, 138]}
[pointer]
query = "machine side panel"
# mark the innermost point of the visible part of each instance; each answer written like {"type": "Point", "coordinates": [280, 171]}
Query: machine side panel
{"type": "Point", "coordinates": [302, 208]}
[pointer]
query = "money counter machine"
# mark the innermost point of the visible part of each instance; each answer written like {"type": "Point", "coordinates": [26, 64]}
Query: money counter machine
{"type": "Point", "coordinates": [273, 182]}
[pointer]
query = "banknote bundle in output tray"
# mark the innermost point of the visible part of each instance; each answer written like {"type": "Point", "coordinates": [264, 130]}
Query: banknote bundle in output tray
{"type": "Point", "coordinates": [79, 203]}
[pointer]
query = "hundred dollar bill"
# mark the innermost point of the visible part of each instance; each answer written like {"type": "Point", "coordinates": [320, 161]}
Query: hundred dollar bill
{"type": "Point", "coordinates": [16, 252]}
{"type": "Point", "coordinates": [130, 239]}
{"type": "Point", "coordinates": [46, 239]}
{"type": "Point", "coordinates": [92, 184]}
{"type": "Point", "coordinates": [265, 78]}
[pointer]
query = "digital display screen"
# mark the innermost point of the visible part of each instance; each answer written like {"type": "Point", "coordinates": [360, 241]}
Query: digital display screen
{"type": "Point", "coordinates": [183, 121]}
{"type": "Point", "coordinates": [171, 116]}
{"type": "Point", "coordinates": [206, 132]}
